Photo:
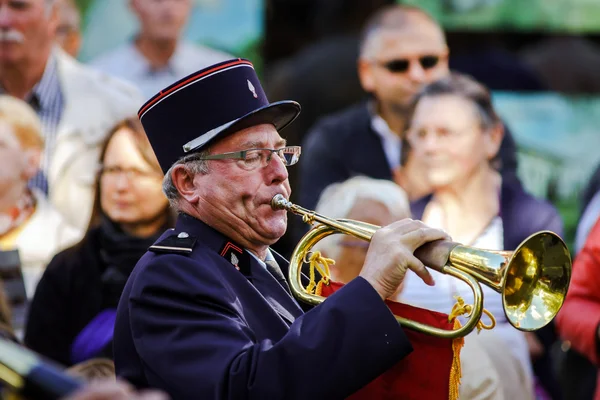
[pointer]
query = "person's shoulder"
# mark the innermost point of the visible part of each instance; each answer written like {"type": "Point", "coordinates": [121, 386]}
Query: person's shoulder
{"type": "Point", "coordinates": [522, 198]}
{"type": "Point", "coordinates": [343, 123]}
{"type": "Point", "coordinates": [115, 88]}
{"type": "Point", "coordinates": [53, 222]}
{"type": "Point", "coordinates": [100, 83]}
{"type": "Point", "coordinates": [203, 55]}
{"type": "Point", "coordinates": [112, 61]}
{"type": "Point", "coordinates": [76, 257]}
{"type": "Point", "coordinates": [346, 116]}
{"type": "Point", "coordinates": [528, 210]}
{"type": "Point", "coordinates": [176, 260]}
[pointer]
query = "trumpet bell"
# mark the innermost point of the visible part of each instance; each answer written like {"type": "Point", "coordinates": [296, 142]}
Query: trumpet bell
{"type": "Point", "coordinates": [536, 281]}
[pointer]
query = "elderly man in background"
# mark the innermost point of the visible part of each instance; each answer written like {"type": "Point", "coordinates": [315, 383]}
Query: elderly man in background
{"type": "Point", "coordinates": [77, 105]}
{"type": "Point", "coordinates": [158, 56]}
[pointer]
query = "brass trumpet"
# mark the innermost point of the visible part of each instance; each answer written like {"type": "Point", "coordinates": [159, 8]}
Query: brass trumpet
{"type": "Point", "coordinates": [533, 280]}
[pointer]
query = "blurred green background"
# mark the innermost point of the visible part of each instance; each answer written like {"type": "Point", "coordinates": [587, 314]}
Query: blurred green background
{"type": "Point", "coordinates": [530, 15]}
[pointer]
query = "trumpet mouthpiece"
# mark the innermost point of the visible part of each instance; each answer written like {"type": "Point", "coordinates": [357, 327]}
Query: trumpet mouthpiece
{"type": "Point", "coordinates": [279, 202]}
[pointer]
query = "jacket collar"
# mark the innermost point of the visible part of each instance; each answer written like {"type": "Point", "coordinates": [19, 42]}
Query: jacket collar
{"type": "Point", "coordinates": [257, 275]}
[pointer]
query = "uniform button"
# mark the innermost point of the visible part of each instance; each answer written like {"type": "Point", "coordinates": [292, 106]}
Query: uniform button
{"type": "Point", "coordinates": [183, 235]}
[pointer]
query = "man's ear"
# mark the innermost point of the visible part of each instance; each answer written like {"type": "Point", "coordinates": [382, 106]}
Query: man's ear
{"type": "Point", "coordinates": [365, 74]}
{"type": "Point", "coordinates": [53, 17]}
{"type": "Point", "coordinates": [183, 179]}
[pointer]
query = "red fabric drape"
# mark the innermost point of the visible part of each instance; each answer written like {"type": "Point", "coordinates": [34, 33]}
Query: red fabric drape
{"type": "Point", "coordinates": [426, 372]}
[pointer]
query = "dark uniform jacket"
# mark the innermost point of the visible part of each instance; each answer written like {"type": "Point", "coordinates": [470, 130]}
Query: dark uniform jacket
{"type": "Point", "coordinates": [202, 319]}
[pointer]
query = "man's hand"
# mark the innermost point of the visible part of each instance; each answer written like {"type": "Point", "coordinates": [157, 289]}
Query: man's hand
{"type": "Point", "coordinates": [114, 390]}
{"type": "Point", "coordinates": [390, 254]}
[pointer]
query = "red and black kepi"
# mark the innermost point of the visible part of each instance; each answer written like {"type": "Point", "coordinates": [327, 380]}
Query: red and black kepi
{"type": "Point", "coordinates": [208, 104]}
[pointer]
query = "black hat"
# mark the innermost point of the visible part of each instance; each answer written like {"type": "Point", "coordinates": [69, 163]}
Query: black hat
{"type": "Point", "coordinates": [208, 104]}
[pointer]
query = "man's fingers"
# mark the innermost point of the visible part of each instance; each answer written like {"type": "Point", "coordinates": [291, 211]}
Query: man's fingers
{"type": "Point", "coordinates": [419, 268]}
{"type": "Point", "coordinates": [407, 225]}
{"type": "Point", "coordinates": [419, 237]}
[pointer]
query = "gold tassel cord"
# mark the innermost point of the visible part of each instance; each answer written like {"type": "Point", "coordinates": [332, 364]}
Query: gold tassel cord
{"type": "Point", "coordinates": [321, 264]}
{"type": "Point", "coordinates": [455, 369]}
{"type": "Point", "coordinates": [460, 308]}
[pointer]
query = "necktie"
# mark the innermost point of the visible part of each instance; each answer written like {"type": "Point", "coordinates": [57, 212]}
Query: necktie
{"type": "Point", "coordinates": [274, 270]}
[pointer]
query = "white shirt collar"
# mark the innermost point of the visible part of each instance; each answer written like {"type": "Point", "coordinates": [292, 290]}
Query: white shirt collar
{"type": "Point", "coordinates": [268, 257]}
{"type": "Point", "coordinates": [392, 144]}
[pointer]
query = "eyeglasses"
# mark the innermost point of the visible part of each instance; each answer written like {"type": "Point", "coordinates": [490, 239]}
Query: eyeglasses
{"type": "Point", "coordinates": [260, 158]}
{"type": "Point", "coordinates": [401, 65]}
{"type": "Point", "coordinates": [132, 174]}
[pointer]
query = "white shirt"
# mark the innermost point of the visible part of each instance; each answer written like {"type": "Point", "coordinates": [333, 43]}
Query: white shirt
{"type": "Point", "coordinates": [268, 257]}
{"type": "Point", "coordinates": [127, 63]}
{"type": "Point", "coordinates": [441, 296]}
{"type": "Point", "coordinates": [392, 144]}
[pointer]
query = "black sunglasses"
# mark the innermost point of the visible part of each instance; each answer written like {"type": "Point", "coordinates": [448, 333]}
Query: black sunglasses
{"type": "Point", "coordinates": [402, 65]}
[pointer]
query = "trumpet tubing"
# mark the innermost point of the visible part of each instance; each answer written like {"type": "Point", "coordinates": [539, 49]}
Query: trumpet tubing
{"type": "Point", "coordinates": [533, 279]}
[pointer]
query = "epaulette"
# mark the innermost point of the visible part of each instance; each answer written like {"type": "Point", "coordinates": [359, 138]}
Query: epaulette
{"type": "Point", "coordinates": [182, 243]}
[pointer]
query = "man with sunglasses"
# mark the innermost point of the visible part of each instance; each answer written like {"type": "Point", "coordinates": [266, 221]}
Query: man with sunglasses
{"type": "Point", "coordinates": [402, 49]}
{"type": "Point", "coordinates": [207, 312]}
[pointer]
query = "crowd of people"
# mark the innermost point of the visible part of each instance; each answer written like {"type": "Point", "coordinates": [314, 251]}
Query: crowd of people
{"type": "Point", "coordinates": [136, 190]}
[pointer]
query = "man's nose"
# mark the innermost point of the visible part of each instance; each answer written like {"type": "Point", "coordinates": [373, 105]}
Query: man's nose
{"type": "Point", "coordinates": [5, 17]}
{"type": "Point", "coordinates": [277, 170]}
{"type": "Point", "coordinates": [416, 71]}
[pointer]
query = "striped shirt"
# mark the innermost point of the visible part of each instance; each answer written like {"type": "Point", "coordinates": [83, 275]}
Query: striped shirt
{"type": "Point", "coordinates": [47, 100]}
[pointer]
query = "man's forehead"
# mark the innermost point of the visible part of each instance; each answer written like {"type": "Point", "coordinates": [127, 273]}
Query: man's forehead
{"type": "Point", "coordinates": [257, 136]}
{"type": "Point", "coordinates": [411, 40]}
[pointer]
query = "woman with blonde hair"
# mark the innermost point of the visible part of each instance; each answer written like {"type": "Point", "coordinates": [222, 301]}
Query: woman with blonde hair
{"type": "Point", "coordinates": [28, 222]}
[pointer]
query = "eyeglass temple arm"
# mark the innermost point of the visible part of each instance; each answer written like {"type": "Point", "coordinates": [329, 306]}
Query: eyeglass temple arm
{"type": "Point", "coordinates": [225, 156]}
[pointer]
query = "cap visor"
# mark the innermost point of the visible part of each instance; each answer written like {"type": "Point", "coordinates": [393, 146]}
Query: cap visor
{"type": "Point", "coordinates": [280, 114]}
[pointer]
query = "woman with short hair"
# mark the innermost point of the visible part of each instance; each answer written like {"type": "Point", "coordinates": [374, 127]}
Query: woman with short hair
{"type": "Point", "coordinates": [455, 134]}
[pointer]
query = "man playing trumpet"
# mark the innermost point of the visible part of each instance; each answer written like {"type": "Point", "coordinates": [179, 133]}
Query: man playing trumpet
{"type": "Point", "coordinates": [207, 312]}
